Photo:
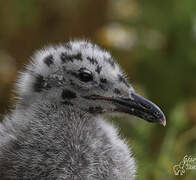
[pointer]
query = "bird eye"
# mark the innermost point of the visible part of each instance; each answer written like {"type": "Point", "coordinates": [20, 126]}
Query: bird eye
{"type": "Point", "coordinates": [85, 75]}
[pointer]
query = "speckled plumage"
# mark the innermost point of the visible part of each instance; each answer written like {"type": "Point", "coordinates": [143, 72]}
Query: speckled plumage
{"type": "Point", "coordinates": [55, 132]}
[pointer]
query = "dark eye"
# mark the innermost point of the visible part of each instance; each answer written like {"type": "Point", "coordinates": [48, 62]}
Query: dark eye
{"type": "Point", "coordinates": [85, 75]}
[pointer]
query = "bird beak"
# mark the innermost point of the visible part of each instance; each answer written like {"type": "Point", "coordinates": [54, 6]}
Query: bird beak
{"type": "Point", "coordinates": [140, 107]}
{"type": "Point", "coordinates": [137, 106]}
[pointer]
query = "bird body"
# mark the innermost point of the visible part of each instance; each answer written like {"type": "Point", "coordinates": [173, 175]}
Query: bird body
{"type": "Point", "coordinates": [57, 131]}
{"type": "Point", "coordinates": [64, 145]}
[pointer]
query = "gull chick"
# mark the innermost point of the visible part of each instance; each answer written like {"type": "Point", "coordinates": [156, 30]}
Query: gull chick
{"type": "Point", "coordinates": [57, 131]}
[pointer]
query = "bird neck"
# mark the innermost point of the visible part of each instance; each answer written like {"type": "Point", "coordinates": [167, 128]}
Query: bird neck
{"type": "Point", "coordinates": [53, 111]}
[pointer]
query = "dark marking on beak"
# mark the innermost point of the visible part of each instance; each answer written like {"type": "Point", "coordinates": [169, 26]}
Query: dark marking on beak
{"type": "Point", "coordinates": [141, 107]}
{"type": "Point", "coordinates": [137, 106]}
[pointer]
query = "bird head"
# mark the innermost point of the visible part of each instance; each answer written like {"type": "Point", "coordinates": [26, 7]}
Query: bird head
{"type": "Point", "coordinates": [81, 74]}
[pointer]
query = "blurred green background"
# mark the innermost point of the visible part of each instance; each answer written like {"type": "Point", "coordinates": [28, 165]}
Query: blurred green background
{"type": "Point", "coordinates": [153, 40]}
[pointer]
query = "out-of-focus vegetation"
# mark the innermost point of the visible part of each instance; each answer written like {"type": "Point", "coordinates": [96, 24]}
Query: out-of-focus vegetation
{"type": "Point", "coordinates": [153, 40]}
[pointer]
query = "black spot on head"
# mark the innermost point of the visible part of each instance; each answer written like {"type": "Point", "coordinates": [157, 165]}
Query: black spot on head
{"type": "Point", "coordinates": [39, 83]}
{"type": "Point", "coordinates": [117, 91]}
{"type": "Point", "coordinates": [78, 56]}
{"type": "Point", "coordinates": [92, 60]}
{"type": "Point", "coordinates": [103, 80]}
{"type": "Point", "coordinates": [65, 57]}
{"type": "Point", "coordinates": [102, 86]}
{"type": "Point", "coordinates": [98, 69]}
{"type": "Point", "coordinates": [96, 109]}
{"type": "Point", "coordinates": [70, 58]}
{"type": "Point", "coordinates": [67, 94]}
{"type": "Point", "coordinates": [49, 60]}
{"type": "Point", "coordinates": [123, 80]}
{"type": "Point", "coordinates": [111, 61]}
